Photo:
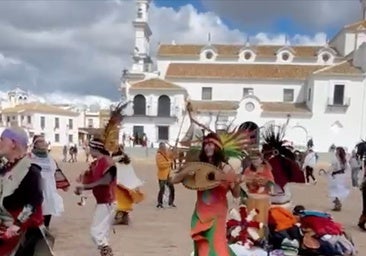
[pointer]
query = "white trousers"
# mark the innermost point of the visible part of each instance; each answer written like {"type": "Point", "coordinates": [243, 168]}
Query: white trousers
{"type": "Point", "coordinates": [102, 223]}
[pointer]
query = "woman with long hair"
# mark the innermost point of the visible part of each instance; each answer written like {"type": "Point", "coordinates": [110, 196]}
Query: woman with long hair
{"type": "Point", "coordinates": [338, 177]}
{"type": "Point", "coordinates": [208, 225]}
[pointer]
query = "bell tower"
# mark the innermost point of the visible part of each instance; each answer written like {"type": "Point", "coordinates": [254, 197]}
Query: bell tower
{"type": "Point", "coordinates": [363, 8]}
{"type": "Point", "coordinates": [142, 62]}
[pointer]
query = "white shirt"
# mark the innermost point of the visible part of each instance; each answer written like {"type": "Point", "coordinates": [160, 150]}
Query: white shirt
{"type": "Point", "coordinates": [310, 160]}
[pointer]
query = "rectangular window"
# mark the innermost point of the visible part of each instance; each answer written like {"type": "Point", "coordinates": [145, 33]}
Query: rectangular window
{"type": "Point", "coordinates": [338, 94]}
{"type": "Point", "coordinates": [57, 122]}
{"type": "Point", "coordinates": [288, 95]}
{"type": "Point", "coordinates": [309, 94]}
{"type": "Point", "coordinates": [223, 119]}
{"type": "Point", "coordinates": [206, 93]}
{"type": "Point", "coordinates": [247, 91]}
{"type": "Point", "coordinates": [71, 138]}
{"type": "Point", "coordinates": [90, 123]}
{"type": "Point", "coordinates": [163, 132]}
{"type": "Point", "coordinates": [8, 119]}
{"type": "Point", "coordinates": [29, 120]}
{"type": "Point", "coordinates": [1, 118]}
{"type": "Point", "coordinates": [43, 122]}
{"type": "Point", "coordinates": [71, 126]}
{"type": "Point", "coordinates": [57, 137]}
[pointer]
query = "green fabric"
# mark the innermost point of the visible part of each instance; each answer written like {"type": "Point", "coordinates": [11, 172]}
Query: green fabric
{"type": "Point", "coordinates": [209, 234]}
{"type": "Point", "coordinates": [40, 152]}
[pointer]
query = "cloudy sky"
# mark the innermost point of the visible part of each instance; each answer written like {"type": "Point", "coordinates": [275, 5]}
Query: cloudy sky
{"type": "Point", "coordinates": [73, 48]}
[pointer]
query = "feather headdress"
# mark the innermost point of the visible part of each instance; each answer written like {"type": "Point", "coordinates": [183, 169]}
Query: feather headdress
{"type": "Point", "coordinates": [234, 142]}
{"type": "Point", "coordinates": [273, 138]}
{"type": "Point", "coordinates": [110, 135]}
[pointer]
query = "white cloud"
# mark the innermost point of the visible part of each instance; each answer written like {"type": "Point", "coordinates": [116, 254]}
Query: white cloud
{"type": "Point", "coordinates": [86, 53]}
{"type": "Point", "coordinates": [280, 39]}
{"type": "Point", "coordinates": [312, 15]}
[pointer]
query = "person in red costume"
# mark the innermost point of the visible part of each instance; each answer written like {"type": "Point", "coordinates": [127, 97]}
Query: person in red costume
{"type": "Point", "coordinates": [20, 196]}
{"type": "Point", "coordinates": [101, 179]}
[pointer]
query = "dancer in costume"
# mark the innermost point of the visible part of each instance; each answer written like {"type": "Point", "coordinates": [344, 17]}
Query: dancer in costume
{"type": "Point", "coordinates": [259, 181]}
{"type": "Point", "coordinates": [283, 162]}
{"type": "Point", "coordinates": [52, 202]}
{"type": "Point", "coordinates": [101, 178]}
{"type": "Point", "coordinates": [128, 187]}
{"type": "Point", "coordinates": [338, 178]}
{"type": "Point", "coordinates": [208, 227]}
{"type": "Point", "coordinates": [20, 196]}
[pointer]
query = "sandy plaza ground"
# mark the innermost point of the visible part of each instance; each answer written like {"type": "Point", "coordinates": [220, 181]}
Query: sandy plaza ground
{"type": "Point", "coordinates": [166, 231]}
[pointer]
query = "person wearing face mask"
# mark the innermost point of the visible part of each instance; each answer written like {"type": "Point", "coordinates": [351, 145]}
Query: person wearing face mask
{"type": "Point", "coordinates": [208, 224]}
{"type": "Point", "coordinates": [259, 181]}
{"type": "Point", "coordinates": [20, 196]}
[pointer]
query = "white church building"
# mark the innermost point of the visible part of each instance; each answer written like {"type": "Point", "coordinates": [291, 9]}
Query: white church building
{"type": "Point", "coordinates": [319, 91]}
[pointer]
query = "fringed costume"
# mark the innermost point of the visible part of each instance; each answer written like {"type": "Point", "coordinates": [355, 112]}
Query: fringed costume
{"type": "Point", "coordinates": [101, 179]}
{"type": "Point", "coordinates": [213, 178]}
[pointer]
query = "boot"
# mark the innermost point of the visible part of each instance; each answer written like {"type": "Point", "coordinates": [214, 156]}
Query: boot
{"type": "Point", "coordinates": [337, 205]}
{"type": "Point", "coordinates": [361, 222]}
{"type": "Point", "coordinates": [106, 251]}
{"type": "Point", "coordinates": [121, 218]}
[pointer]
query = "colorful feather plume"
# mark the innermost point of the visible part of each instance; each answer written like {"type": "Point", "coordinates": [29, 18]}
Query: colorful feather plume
{"type": "Point", "coordinates": [110, 135]}
{"type": "Point", "coordinates": [235, 143]}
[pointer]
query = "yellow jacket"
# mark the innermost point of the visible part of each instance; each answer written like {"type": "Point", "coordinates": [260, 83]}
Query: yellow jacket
{"type": "Point", "coordinates": [163, 162]}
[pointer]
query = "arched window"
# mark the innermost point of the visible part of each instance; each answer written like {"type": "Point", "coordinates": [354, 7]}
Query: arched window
{"type": "Point", "coordinates": [164, 106]}
{"type": "Point", "coordinates": [139, 105]}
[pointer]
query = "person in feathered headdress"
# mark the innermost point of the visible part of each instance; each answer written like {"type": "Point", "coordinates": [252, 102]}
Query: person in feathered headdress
{"type": "Point", "coordinates": [213, 178]}
{"type": "Point", "coordinates": [101, 179]}
{"type": "Point", "coordinates": [259, 180]}
{"type": "Point", "coordinates": [283, 162]}
{"type": "Point", "coordinates": [128, 190]}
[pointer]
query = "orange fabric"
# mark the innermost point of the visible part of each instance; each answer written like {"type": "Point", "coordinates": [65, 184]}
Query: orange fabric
{"type": "Point", "coordinates": [209, 231]}
{"type": "Point", "coordinates": [281, 218]}
{"type": "Point", "coordinates": [126, 198]}
{"type": "Point", "coordinates": [257, 181]}
{"type": "Point", "coordinates": [163, 162]}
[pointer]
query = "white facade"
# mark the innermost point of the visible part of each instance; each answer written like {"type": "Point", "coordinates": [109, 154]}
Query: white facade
{"type": "Point", "coordinates": [319, 92]}
{"type": "Point", "coordinates": [59, 124]}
